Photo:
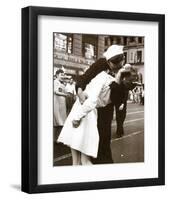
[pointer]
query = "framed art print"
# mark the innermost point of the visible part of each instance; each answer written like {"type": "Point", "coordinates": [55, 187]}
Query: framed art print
{"type": "Point", "coordinates": [92, 99]}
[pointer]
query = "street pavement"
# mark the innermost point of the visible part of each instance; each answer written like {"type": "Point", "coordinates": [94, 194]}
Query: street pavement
{"type": "Point", "coordinates": [126, 149]}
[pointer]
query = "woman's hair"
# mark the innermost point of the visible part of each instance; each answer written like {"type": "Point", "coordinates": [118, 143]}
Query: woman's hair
{"type": "Point", "coordinates": [130, 70]}
{"type": "Point", "coordinates": [58, 72]}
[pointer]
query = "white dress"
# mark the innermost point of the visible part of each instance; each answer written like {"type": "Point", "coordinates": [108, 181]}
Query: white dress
{"type": "Point", "coordinates": [85, 138]}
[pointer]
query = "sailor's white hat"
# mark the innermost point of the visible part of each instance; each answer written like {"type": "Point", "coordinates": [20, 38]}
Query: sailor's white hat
{"type": "Point", "coordinates": [112, 51]}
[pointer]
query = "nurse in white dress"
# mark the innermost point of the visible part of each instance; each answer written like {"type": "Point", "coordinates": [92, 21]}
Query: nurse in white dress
{"type": "Point", "coordinates": [84, 139]}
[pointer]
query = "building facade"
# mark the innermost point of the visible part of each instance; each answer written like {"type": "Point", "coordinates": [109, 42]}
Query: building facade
{"type": "Point", "coordinates": [76, 52]}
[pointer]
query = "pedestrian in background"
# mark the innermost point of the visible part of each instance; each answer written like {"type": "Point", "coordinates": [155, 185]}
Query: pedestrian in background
{"type": "Point", "coordinates": [59, 102]}
{"type": "Point", "coordinates": [71, 95]}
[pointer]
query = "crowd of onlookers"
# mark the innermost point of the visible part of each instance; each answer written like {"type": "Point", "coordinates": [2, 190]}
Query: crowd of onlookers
{"type": "Point", "coordinates": [137, 95]}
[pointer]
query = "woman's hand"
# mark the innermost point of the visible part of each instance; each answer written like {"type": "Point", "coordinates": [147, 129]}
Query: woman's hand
{"type": "Point", "coordinates": [76, 123]}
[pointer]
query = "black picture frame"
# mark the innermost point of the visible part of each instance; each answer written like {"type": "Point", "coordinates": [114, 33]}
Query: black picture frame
{"type": "Point", "coordinates": [30, 99]}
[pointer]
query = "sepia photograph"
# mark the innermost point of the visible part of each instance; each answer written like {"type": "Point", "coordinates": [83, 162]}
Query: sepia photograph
{"type": "Point", "coordinates": [98, 99]}
{"type": "Point", "coordinates": [87, 123]}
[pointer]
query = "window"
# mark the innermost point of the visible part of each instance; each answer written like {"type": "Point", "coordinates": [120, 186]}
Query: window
{"type": "Point", "coordinates": [106, 42]}
{"type": "Point", "coordinates": [132, 39]}
{"type": "Point", "coordinates": [139, 56]}
{"type": "Point", "coordinates": [89, 46]}
{"type": "Point", "coordinates": [125, 57]}
{"type": "Point", "coordinates": [69, 44]}
{"type": "Point", "coordinates": [89, 51]}
{"type": "Point", "coordinates": [140, 40]}
{"type": "Point", "coordinates": [63, 42]}
{"type": "Point", "coordinates": [131, 56]}
{"type": "Point", "coordinates": [125, 41]}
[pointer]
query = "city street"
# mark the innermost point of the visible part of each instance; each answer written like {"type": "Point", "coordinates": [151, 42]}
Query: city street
{"type": "Point", "coordinates": [129, 148]}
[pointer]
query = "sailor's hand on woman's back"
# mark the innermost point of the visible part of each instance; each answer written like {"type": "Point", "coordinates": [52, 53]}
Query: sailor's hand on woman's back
{"type": "Point", "coordinates": [76, 123]}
